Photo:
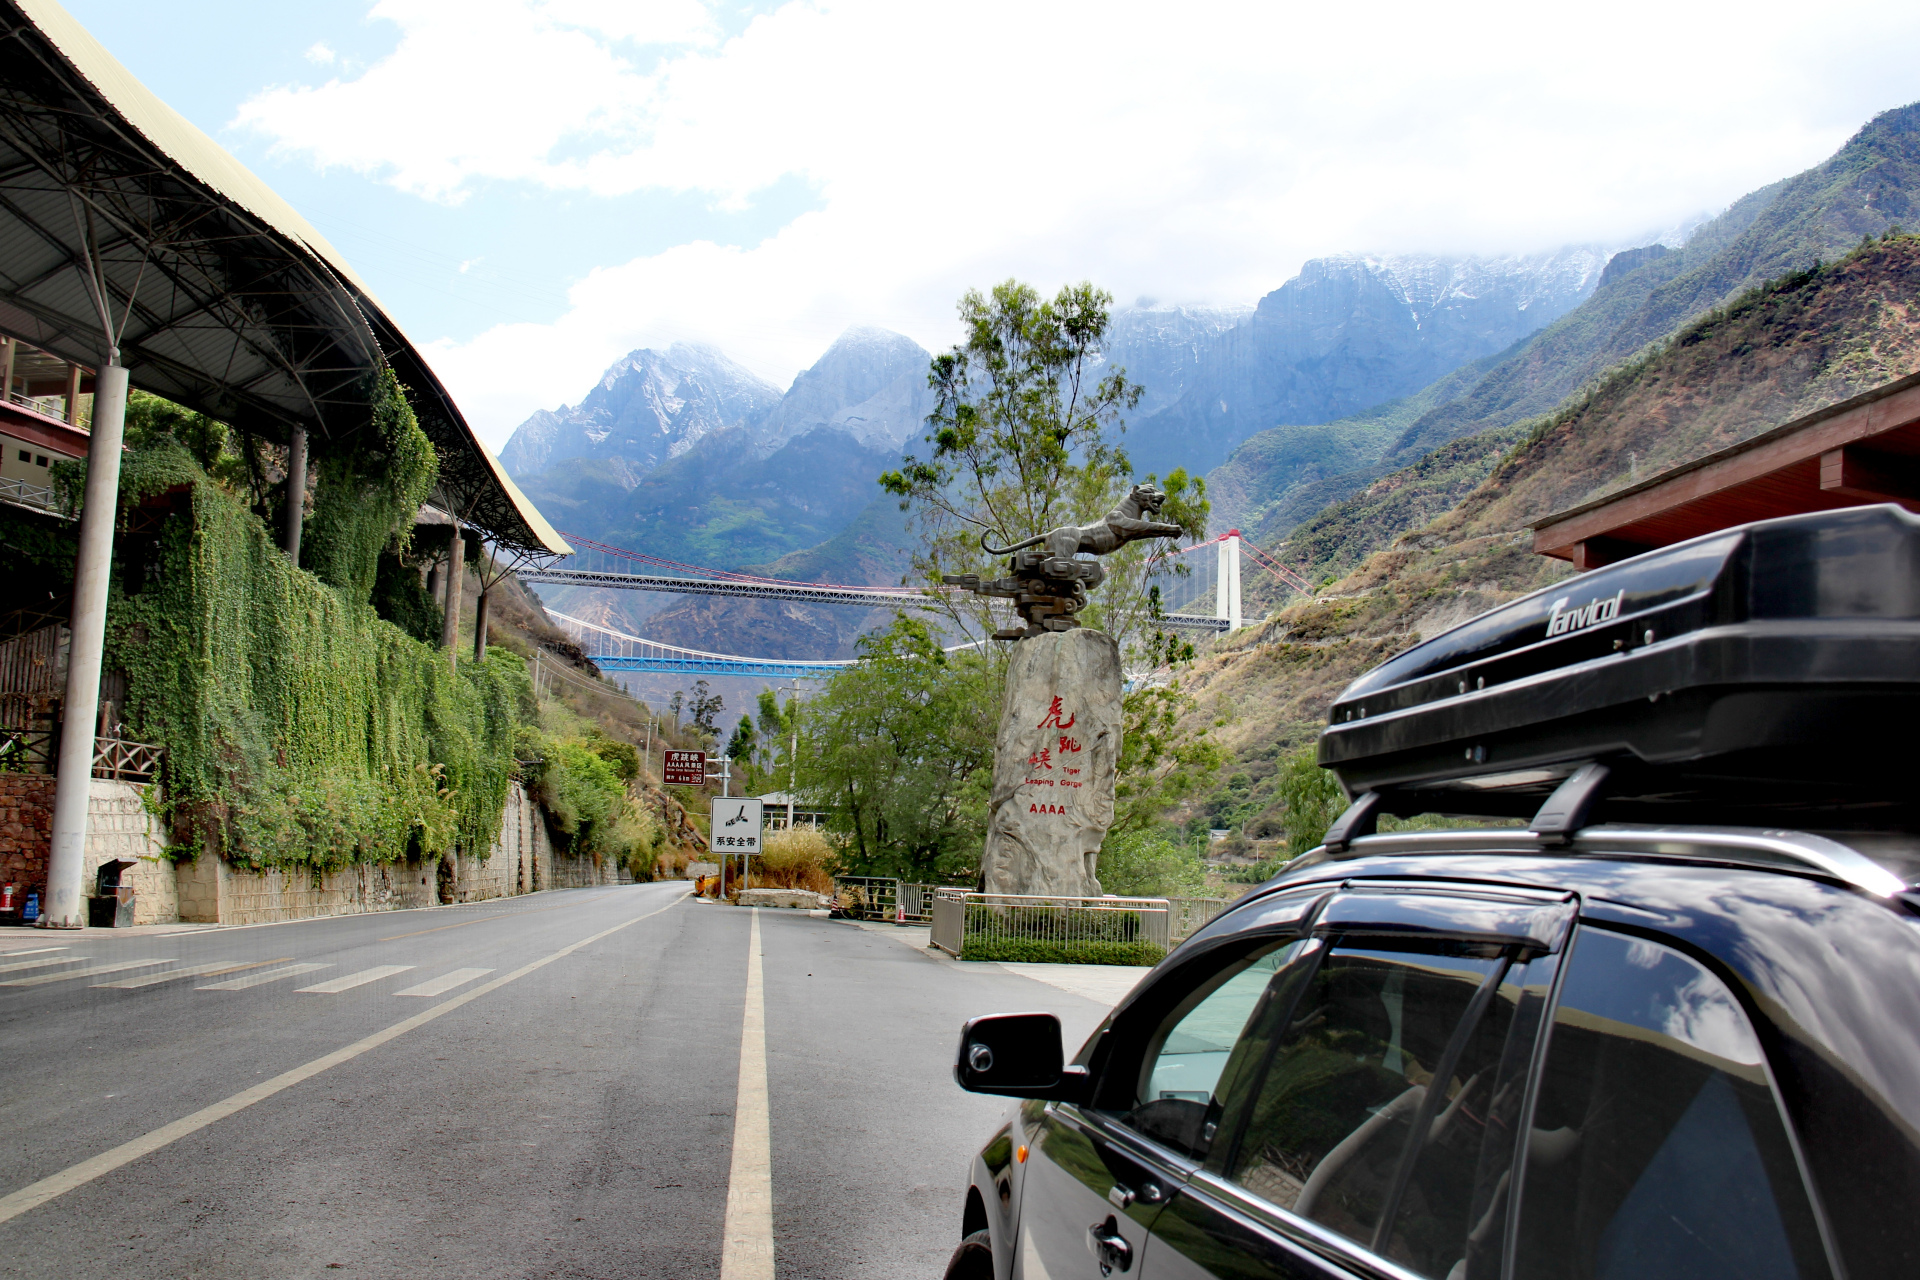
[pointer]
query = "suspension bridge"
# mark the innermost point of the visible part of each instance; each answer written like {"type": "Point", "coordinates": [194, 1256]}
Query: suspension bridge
{"type": "Point", "coordinates": [602, 565]}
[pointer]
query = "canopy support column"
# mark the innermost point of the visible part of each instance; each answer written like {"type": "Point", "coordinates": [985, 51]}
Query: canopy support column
{"type": "Point", "coordinates": [480, 626]}
{"type": "Point", "coordinates": [92, 570]}
{"type": "Point", "coordinates": [296, 511]}
{"type": "Point", "coordinates": [456, 570]}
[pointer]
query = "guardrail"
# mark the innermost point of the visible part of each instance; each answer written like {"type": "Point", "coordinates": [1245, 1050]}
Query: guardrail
{"type": "Point", "coordinates": [36, 751]}
{"type": "Point", "coordinates": [958, 914]}
{"type": "Point", "coordinates": [38, 496]}
{"type": "Point", "coordinates": [127, 761]}
{"type": "Point", "coordinates": [26, 750]}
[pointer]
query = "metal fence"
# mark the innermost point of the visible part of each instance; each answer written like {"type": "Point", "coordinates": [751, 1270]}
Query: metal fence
{"type": "Point", "coordinates": [885, 898]}
{"type": "Point", "coordinates": [958, 914]}
{"type": "Point", "coordinates": [1186, 916]}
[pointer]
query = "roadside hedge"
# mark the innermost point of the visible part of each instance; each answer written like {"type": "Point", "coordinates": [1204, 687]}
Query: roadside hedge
{"type": "Point", "coordinates": [1050, 951]}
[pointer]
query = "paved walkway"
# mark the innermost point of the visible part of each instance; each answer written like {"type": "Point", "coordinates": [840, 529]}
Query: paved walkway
{"type": "Point", "coordinates": [1103, 983]}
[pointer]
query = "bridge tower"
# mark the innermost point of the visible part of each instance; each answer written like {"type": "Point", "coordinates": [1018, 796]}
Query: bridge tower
{"type": "Point", "coordinates": [1226, 591]}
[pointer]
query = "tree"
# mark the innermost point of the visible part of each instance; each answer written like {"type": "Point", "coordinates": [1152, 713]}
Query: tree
{"type": "Point", "coordinates": [1313, 799]}
{"type": "Point", "coordinates": [740, 746]}
{"type": "Point", "coordinates": [777, 726]}
{"type": "Point", "coordinates": [703, 706]}
{"type": "Point", "coordinates": [1020, 445]}
{"type": "Point", "coordinates": [899, 748]}
{"type": "Point", "coordinates": [675, 705]}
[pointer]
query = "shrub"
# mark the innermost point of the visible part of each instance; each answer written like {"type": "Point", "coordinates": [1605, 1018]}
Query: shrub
{"type": "Point", "coordinates": [797, 859]}
{"type": "Point", "coordinates": [1149, 863]}
{"type": "Point", "coordinates": [1050, 951]}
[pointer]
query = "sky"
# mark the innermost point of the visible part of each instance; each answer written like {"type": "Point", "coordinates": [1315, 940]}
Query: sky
{"type": "Point", "coordinates": [535, 187]}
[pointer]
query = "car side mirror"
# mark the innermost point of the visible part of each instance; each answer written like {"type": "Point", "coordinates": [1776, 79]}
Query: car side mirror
{"type": "Point", "coordinates": [1017, 1055]}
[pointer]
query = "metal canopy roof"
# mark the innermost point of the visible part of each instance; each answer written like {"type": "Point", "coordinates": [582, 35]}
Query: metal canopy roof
{"type": "Point", "coordinates": [1860, 451]}
{"type": "Point", "coordinates": [225, 299]}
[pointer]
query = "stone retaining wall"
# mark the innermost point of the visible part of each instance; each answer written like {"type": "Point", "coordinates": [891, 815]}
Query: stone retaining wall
{"type": "Point", "coordinates": [209, 891]}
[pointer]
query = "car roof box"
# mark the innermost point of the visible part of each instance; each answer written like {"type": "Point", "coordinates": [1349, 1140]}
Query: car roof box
{"type": "Point", "coordinates": [1767, 674]}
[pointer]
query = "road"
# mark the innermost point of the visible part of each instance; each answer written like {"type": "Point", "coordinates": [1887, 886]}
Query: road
{"type": "Point", "coordinates": [532, 1087]}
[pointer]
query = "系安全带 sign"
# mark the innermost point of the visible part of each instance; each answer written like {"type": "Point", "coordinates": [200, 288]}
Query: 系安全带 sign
{"type": "Point", "coordinates": [736, 825]}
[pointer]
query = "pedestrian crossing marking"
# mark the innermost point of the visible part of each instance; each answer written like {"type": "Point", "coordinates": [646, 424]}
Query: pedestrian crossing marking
{"type": "Point", "coordinates": [185, 971]}
{"type": "Point", "coordinates": [40, 964]}
{"type": "Point", "coordinates": [91, 971]}
{"type": "Point", "coordinates": [257, 979]}
{"type": "Point", "coordinates": [349, 981]}
{"type": "Point", "coordinates": [444, 983]}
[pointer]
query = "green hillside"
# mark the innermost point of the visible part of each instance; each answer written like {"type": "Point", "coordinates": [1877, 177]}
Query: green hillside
{"type": "Point", "coordinates": [1781, 351]}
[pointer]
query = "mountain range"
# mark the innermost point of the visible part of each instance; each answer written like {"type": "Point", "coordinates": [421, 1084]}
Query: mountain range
{"type": "Point", "coordinates": [1354, 402]}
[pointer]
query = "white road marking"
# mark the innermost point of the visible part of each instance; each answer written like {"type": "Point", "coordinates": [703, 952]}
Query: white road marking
{"type": "Point", "coordinates": [91, 971]}
{"type": "Point", "coordinates": [258, 979]}
{"type": "Point", "coordinates": [40, 964]}
{"type": "Point", "coordinates": [38, 1193]}
{"type": "Point", "coordinates": [747, 1252]}
{"type": "Point", "coordinates": [185, 971]}
{"type": "Point", "coordinates": [444, 983]}
{"type": "Point", "coordinates": [347, 982]}
{"type": "Point", "coordinates": [28, 951]}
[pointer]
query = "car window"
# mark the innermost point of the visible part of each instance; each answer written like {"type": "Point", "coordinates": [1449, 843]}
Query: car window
{"type": "Point", "coordinates": [1357, 1071]}
{"type": "Point", "coordinates": [1657, 1150]}
{"type": "Point", "coordinates": [1180, 1097]}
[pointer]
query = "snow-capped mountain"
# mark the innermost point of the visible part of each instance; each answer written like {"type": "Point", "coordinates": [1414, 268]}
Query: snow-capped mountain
{"type": "Point", "coordinates": [1352, 331]}
{"type": "Point", "coordinates": [871, 384]}
{"type": "Point", "coordinates": [648, 407]}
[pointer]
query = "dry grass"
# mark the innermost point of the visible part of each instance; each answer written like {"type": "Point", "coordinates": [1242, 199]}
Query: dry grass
{"type": "Point", "coordinates": [798, 859]}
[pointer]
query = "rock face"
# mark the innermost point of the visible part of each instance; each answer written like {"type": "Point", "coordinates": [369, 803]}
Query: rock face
{"type": "Point", "coordinates": [1053, 765]}
{"type": "Point", "coordinates": [871, 384]}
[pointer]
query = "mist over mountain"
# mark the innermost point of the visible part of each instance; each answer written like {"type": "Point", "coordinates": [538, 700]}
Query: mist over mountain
{"type": "Point", "coordinates": [648, 407]}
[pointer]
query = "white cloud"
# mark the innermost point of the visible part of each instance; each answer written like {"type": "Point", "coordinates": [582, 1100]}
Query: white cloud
{"type": "Point", "coordinates": [1191, 152]}
{"type": "Point", "coordinates": [320, 55]}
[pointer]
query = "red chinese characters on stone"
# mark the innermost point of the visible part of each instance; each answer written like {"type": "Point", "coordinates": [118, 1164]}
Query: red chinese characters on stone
{"type": "Point", "coordinates": [1041, 759]}
{"type": "Point", "coordinates": [1052, 719]}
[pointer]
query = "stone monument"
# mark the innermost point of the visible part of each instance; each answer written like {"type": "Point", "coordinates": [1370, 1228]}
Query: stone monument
{"type": "Point", "coordinates": [1060, 727]}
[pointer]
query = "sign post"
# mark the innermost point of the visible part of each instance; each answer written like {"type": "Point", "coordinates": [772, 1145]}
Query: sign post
{"type": "Point", "coordinates": [685, 768]}
{"type": "Point", "coordinates": [735, 827]}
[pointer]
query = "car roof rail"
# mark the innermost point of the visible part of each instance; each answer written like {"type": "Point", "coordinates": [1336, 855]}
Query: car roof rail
{"type": "Point", "coordinates": [1794, 852]}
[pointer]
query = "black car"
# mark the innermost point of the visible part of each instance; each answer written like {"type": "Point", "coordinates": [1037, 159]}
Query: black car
{"type": "Point", "coordinates": [1643, 1055]}
{"type": "Point", "coordinates": [1669, 1031]}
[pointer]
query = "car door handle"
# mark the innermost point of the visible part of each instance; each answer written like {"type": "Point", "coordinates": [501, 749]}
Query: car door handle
{"type": "Point", "coordinates": [1109, 1247]}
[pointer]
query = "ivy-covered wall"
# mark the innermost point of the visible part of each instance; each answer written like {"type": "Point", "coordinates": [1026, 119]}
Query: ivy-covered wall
{"type": "Point", "coordinates": [301, 728]}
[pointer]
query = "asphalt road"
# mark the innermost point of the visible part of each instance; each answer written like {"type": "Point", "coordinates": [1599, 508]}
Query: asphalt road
{"type": "Point", "coordinates": [556, 1100]}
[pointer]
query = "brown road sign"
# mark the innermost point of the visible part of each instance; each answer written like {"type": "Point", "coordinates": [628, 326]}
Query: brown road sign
{"type": "Point", "coordinates": [686, 768]}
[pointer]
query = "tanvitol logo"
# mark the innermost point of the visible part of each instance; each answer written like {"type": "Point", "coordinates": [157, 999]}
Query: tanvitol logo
{"type": "Point", "coordinates": [1561, 620]}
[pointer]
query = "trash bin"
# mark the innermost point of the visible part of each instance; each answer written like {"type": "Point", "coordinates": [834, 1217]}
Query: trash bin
{"type": "Point", "coordinates": [111, 906]}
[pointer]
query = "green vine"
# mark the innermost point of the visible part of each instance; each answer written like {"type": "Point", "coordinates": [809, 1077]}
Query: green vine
{"type": "Point", "coordinates": [367, 493]}
{"type": "Point", "coordinates": [300, 728]}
